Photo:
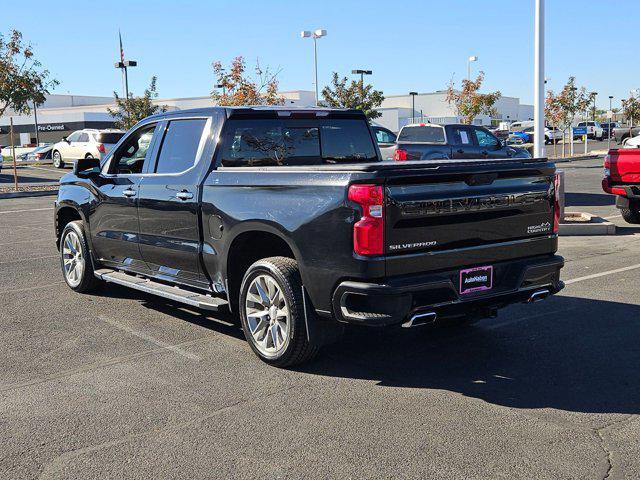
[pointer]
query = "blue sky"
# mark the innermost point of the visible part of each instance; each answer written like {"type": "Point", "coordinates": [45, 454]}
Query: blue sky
{"type": "Point", "coordinates": [409, 45]}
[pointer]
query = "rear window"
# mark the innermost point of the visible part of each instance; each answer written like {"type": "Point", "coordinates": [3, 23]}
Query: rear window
{"type": "Point", "coordinates": [272, 142]}
{"type": "Point", "coordinates": [425, 134]}
{"type": "Point", "coordinates": [110, 137]}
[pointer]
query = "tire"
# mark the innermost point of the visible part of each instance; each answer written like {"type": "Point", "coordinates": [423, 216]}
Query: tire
{"type": "Point", "coordinates": [88, 155]}
{"type": "Point", "coordinates": [282, 343]}
{"type": "Point", "coordinates": [57, 159]}
{"type": "Point", "coordinates": [631, 215]}
{"type": "Point", "coordinates": [75, 259]}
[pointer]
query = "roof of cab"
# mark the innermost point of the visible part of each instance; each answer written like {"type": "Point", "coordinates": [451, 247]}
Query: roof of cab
{"type": "Point", "coordinates": [257, 109]}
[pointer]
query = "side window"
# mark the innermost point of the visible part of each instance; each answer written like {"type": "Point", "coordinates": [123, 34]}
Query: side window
{"type": "Point", "coordinates": [73, 137]}
{"type": "Point", "coordinates": [84, 137]}
{"type": "Point", "coordinates": [461, 136]}
{"type": "Point", "coordinates": [131, 155]}
{"type": "Point", "coordinates": [180, 145]}
{"type": "Point", "coordinates": [485, 139]}
{"type": "Point", "coordinates": [383, 136]}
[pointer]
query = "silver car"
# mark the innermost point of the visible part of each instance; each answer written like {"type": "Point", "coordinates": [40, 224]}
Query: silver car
{"type": "Point", "coordinates": [87, 143]}
{"type": "Point", "coordinates": [386, 141]}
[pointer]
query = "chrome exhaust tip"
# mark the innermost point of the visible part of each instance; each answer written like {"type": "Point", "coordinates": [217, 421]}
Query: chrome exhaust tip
{"type": "Point", "coordinates": [538, 295]}
{"type": "Point", "coordinates": [418, 319]}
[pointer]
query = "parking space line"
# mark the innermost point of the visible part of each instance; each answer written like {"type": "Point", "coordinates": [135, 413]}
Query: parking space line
{"type": "Point", "coordinates": [26, 210]}
{"type": "Point", "coordinates": [26, 289]}
{"type": "Point", "coordinates": [27, 259]}
{"type": "Point", "coordinates": [602, 274]}
{"type": "Point", "coordinates": [149, 338]}
{"type": "Point", "coordinates": [56, 170]}
{"type": "Point", "coordinates": [612, 217]}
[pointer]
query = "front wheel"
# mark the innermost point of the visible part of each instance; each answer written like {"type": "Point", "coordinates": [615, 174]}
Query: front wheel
{"type": "Point", "coordinates": [57, 160]}
{"type": "Point", "coordinates": [272, 312]}
{"type": "Point", "coordinates": [75, 258]}
{"type": "Point", "coordinates": [631, 215]}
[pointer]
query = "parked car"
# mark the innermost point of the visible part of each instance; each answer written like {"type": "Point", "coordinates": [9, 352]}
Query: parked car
{"type": "Point", "coordinates": [87, 143]}
{"type": "Point", "coordinates": [518, 126]}
{"type": "Point", "coordinates": [594, 130]}
{"type": "Point", "coordinates": [1, 159]}
{"type": "Point", "coordinates": [551, 135]}
{"type": "Point", "coordinates": [607, 128]}
{"type": "Point", "coordinates": [622, 179]}
{"type": "Point", "coordinates": [219, 219]}
{"type": "Point", "coordinates": [632, 142]}
{"type": "Point", "coordinates": [622, 133]}
{"type": "Point", "coordinates": [37, 154]}
{"type": "Point", "coordinates": [386, 141]}
{"type": "Point", "coordinates": [436, 142]}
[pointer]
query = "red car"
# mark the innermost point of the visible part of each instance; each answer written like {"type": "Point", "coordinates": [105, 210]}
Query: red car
{"type": "Point", "coordinates": [622, 178]}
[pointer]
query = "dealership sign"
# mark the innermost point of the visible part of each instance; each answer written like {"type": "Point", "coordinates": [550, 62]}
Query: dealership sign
{"type": "Point", "coordinates": [52, 127]}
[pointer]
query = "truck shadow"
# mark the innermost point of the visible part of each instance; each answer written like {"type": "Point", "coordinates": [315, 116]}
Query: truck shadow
{"type": "Point", "coordinates": [565, 353]}
{"type": "Point", "coordinates": [589, 199]}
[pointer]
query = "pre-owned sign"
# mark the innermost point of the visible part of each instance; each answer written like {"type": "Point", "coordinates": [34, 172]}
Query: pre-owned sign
{"type": "Point", "coordinates": [52, 127]}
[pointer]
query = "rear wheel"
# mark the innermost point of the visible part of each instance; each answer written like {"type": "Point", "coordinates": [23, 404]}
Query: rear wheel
{"type": "Point", "coordinates": [272, 312]}
{"type": "Point", "coordinates": [631, 215]}
{"type": "Point", "coordinates": [57, 160]}
{"type": "Point", "coordinates": [88, 155]}
{"type": "Point", "coordinates": [75, 258]}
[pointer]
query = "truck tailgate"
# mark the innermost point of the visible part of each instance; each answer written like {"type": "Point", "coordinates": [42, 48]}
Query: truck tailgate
{"type": "Point", "coordinates": [438, 221]}
{"type": "Point", "coordinates": [624, 165]}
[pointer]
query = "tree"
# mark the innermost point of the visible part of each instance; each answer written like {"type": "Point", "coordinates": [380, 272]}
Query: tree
{"type": "Point", "coordinates": [355, 95]}
{"type": "Point", "coordinates": [553, 115]}
{"type": "Point", "coordinates": [22, 80]}
{"type": "Point", "coordinates": [131, 110]}
{"type": "Point", "coordinates": [631, 107]}
{"type": "Point", "coordinates": [468, 103]}
{"type": "Point", "coordinates": [239, 89]}
{"type": "Point", "coordinates": [568, 102]}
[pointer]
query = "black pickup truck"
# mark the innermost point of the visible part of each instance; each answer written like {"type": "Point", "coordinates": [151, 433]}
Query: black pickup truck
{"type": "Point", "coordinates": [427, 141]}
{"type": "Point", "coordinates": [290, 219]}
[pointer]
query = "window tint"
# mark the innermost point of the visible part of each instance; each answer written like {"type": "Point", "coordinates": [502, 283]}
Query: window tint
{"type": "Point", "coordinates": [270, 142]}
{"type": "Point", "coordinates": [131, 155]}
{"type": "Point", "coordinates": [384, 136]}
{"type": "Point", "coordinates": [345, 141]}
{"type": "Point", "coordinates": [110, 137]}
{"type": "Point", "coordinates": [84, 137]}
{"type": "Point", "coordinates": [428, 134]}
{"type": "Point", "coordinates": [485, 139]}
{"type": "Point", "coordinates": [74, 137]}
{"type": "Point", "coordinates": [180, 145]}
{"type": "Point", "coordinates": [461, 136]}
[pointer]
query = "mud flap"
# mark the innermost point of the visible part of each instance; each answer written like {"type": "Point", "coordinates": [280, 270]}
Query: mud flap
{"type": "Point", "coordinates": [319, 331]}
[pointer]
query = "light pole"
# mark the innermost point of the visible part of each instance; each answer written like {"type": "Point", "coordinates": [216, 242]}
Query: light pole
{"type": "Point", "coordinates": [610, 128]}
{"type": "Point", "coordinates": [538, 86]}
{"type": "Point", "coordinates": [123, 65]}
{"type": "Point", "coordinates": [316, 34]}
{"type": "Point", "coordinates": [593, 113]}
{"type": "Point", "coordinates": [35, 119]}
{"type": "Point", "coordinates": [573, 99]}
{"type": "Point", "coordinates": [472, 58]}
{"type": "Point", "coordinates": [413, 108]}
{"type": "Point", "coordinates": [362, 73]}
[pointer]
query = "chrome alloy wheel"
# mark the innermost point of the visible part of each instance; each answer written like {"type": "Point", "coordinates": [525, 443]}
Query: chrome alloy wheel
{"type": "Point", "coordinates": [72, 259]}
{"type": "Point", "coordinates": [267, 315]}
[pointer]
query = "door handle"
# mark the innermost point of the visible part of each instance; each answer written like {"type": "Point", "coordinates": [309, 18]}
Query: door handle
{"type": "Point", "coordinates": [184, 195]}
{"type": "Point", "coordinates": [460, 151]}
{"type": "Point", "coordinates": [129, 192]}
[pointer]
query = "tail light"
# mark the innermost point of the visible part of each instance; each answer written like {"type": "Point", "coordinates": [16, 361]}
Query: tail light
{"type": "Point", "coordinates": [400, 155]}
{"type": "Point", "coordinates": [607, 165]}
{"type": "Point", "coordinates": [101, 148]}
{"type": "Point", "coordinates": [556, 203]}
{"type": "Point", "coordinates": [368, 232]}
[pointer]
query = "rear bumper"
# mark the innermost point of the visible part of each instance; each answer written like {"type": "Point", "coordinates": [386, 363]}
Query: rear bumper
{"type": "Point", "coordinates": [629, 191]}
{"type": "Point", "coordinates": [392, 302]}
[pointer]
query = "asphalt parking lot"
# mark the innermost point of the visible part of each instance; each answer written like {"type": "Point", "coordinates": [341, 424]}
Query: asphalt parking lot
{"type": "Point", "coordinates": [126, 385]}
{"type": "Point", "coordinates": [32, 174]}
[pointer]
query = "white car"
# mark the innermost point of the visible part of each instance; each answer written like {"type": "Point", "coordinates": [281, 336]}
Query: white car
{"type": "Point", "coordinates": [551, 135]}
{"type": "Point", "coordinates": [87, 143]}
{"type": "Point", "coordinates": [633, 142]}
{"type": "Point", "coordinates": [594, 130]}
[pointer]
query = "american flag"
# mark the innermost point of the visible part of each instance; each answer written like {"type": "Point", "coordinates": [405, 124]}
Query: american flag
{"type": "Point", "coordinates": [121, 49]}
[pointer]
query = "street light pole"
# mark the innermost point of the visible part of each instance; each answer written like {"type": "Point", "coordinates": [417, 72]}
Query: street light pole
{"type": "Point", "coordinates": [538, 94]}
{"type": "Point", "coordinates": [610, 122]}
{"type": "Point", "coordinates": [35, 120]}
{"type": "Point", "coordinates": [319, 33]}
{"type": "Point", "coordinates": [362, 73]}
{"type": "Point", "coordinates": [472, 58]}
{"type": "Point", "coordinates": [413, 108]}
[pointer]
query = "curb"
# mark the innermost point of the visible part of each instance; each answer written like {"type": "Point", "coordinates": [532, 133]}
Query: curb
{"type": "Point", "coordinates": [35, 193]}
{"type": "Point", "coordinates": [568, 160]}
{"type": "Point", "coordinates": [596, 226]}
